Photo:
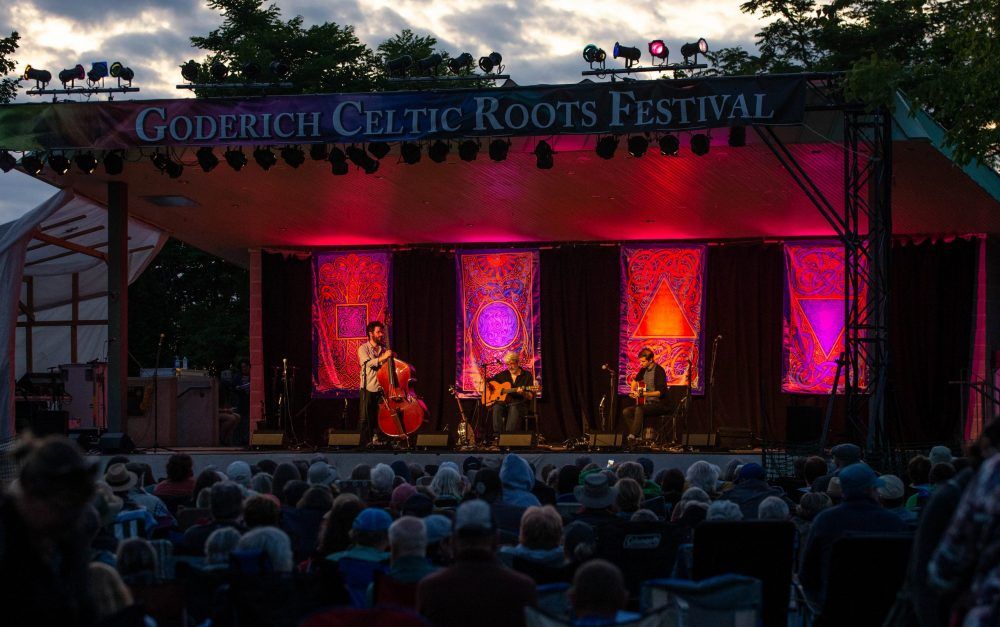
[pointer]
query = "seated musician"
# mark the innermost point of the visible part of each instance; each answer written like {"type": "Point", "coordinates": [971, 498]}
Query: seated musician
{"type": "Point", "coordinates": [654, 378]}
{"type": "Point", "coordinates": [507, 414]}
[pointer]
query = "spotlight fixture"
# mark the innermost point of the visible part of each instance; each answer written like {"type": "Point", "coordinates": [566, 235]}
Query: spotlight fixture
{"type": "Point", "coordinates": [438, 151]}
{"type": "Point", "coordinates": [543, 155]}
{"type": "Point", "coordinates": [498, 149]}
{"type": "Point", "coordinates": [75, 74]}
{"type": "Point", "coordinates": [361, 159]}
{"type": "Point", "coordinates": [700, 144]}
{"type": "Point", "coordinates": [7, 161]}
{"type": "Point", "coordinates": [659, 50]}
{"type": "Point", "coordinates": [86, 162]}
{"type": "Point", "coordinates": [694, 49]}
{"type": "Point", "coordinates": [114, 163]}
{"type": "Point", "coordinates": [41, 77]}
{"type": "Point", "coordinates": [121, 72]}
{"type": "Point", "coordinates": [630, 54]}
{"type": "Point", "coordinates": [98, 70]}
{"type": "Point", "coordinates": [190, 70]}
{"type": "Point", "coordinates": [251, 71]}
{"type": "Point", "coordinates": [279, 69]}
{"type": "Point", "coordinates": [637, 145]}
{"type": "Point", "coordinates": [58, 163]}
{"type": "Point", "coordinates": [206, 159]}
{"type": "Point", "coordinates": [293, 156]}
{"type": "Point", "coordinates": [397, 67]}
{"type": "Point", "coordinates": [174, 169]}
{"type": "Point", "coordinates": [318, 152]}
{"type": "Point", "coordinates": [669, 145]}
{"type": "Point", "coordinates": [219, 71]}
{"type": "Point", "coordinates": [159, 161]}
{"type": "Point", "coordinates": [738, 136]}
{"type": "Point", "coordinates": [236, 159]}
{"type": "Point", "coordinates": [429, 64]}
{"type": "Point", "coordinates": [592, 54]}
{"type": "Point", "coordinates": [491, 62]}
{"type": "Point", "coordinates": [264, 158]}
{"type": "Point", "coordinates": [468, 149]}
{"type": "Point", "coordinates": [378, 149]}
{"type": "Point", "coordinates": [463, 61]}
{"type": "Point", "coordinates": [32, 164]}
{"type": "Point", "coordinates": [410, 152]}
{"type": "Point", "coordinates": [606, 147]}
{"type": "Point", "coordinates": [338, 161]}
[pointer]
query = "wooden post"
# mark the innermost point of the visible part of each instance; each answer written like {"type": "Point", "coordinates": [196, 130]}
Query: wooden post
{"type": "Point", "coordinates": [117, 304]}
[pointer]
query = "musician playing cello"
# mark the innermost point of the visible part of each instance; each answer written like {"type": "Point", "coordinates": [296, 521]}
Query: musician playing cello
{"type": "Point", "coordinates": [371, 355]}
{"type": "Point", "coordinates": [507, 414]}
{"type": "Point", "coordinates": [649, 383]}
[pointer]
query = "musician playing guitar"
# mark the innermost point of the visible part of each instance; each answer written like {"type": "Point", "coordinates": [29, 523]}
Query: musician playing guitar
{"type": "Point", "coordinates": [371, 355]}
{"type": "Point", "coordinates": [650, 385]}
{"type": "Point", "coordinates": [508, 412]}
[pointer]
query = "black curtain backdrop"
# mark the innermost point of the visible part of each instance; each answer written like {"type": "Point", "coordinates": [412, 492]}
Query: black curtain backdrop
{"type": "Point", "coordinates": [931, 317]}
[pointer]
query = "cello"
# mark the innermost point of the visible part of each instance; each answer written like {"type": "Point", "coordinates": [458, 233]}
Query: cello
{"type": "Point", "coordinates": [402, 412]}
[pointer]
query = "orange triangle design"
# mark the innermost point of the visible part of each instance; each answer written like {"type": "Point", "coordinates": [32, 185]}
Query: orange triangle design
{"type": "Point", "coordinates": [664, 316]}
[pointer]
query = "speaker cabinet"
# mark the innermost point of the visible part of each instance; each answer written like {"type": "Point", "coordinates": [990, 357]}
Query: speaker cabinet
{"type": "Point", "coordinates": [115, 442]}
{"type": "Point", "coordinates": [517, 439]}
{"type": "Point", "coordinates": [87, 439]}
{"type": "Point", "coordinates": [344, 439]}
{"type": "Point", "coordinates": [606, 440]}
{"type": "Point", "coordinates": [434, 439]}
{"type": "Point", "coordinates": [699, 440]}
{"type": "Point", "coordinates": [262, 439]}
{"type": "Point", "coordinates": [734, 438]}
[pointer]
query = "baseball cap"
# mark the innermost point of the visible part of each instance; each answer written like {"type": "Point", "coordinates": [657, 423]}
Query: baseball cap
{"type": "Point", "coordinates": [474, 515]}
{"type": "Point", "coordinates": [751, 471]}
{"type": "Point", "coordinates": [940, 455]}
{"type": "Point", "coordinates": [849, 453]}
{"type": "Point", "coordinates": [372, 519]}
{"type": "Point", "coordinates": [438, 528]}
{"type": "Point", "coordinates": [856, 478]}
{"type": "Point", "coordinates": [892, 488]}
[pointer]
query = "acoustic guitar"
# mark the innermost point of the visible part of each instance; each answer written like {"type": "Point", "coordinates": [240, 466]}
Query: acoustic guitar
{"type": "Point", "coordinates": [498, 391]}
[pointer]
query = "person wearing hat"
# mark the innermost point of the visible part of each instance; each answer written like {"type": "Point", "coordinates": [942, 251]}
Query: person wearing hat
{"type": "Point", "coordinates": [750, 490]}
{"type": "Point", "coordinates": [125, 484]}
{"type": "Point", "coordinates": [843, 456]}
{"type": "Point", "coordinates": [596, 497]}
{"type": "Point", "coordinates": [321, 473]}
{"type": "Point", "coordinates": [892, 495]}
{"type": "Point", "coordinates": [477, 589]}
{"type": "Point", "coordinates": [439, 530]}
{"type": "Point", "coordinates": [369, 537]}
{"type": "Point", "coordinates": [860, 511]}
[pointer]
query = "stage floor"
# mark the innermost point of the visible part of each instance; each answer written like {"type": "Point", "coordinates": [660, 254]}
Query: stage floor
{"type": "Point", "coordinates": [345, 460]}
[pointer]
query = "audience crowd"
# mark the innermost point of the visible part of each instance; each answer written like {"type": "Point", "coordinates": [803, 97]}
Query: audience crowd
{"type": "Point", "coordinates": [103, 542]}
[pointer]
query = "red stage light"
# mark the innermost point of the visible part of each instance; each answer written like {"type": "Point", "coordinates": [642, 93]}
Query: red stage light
{"type": "Point", "coordinates": [658, 49]}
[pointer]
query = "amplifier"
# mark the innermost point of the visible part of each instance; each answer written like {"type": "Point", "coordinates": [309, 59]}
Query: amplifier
{"type": "Point", "coordinates": [434, 439]}
{"type": "Point", "coordinates": [344, 439]}
{"type": "Point", "coordinates": [260, 439]}
{"type": "Point", "coordinates": [700, 440]}
{"type": "Point", "coordinates": [606, 440]}
{"type": "Point", "coordinates": [517, 439]}
{"type": "Point", "coordinates": [735, 438]}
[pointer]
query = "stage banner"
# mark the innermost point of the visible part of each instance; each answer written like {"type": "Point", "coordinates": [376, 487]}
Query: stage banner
{"type": "Point", "coordinates": [813, 317]}
{"type": "Point", "coordinates": [393, 116]}
{"type": "Point", "coordinates": [350, 289]}
{"type": "Point", "coordinates": [497, 312]}
{"type": "Point", "coordinates": [663, 308]}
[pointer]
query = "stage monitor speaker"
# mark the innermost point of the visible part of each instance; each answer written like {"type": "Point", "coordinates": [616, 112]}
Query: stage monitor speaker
{"type": "Point", "coordinates": [114, 442]}
{"type": "Point", "coordinates": [517, 439]}
{"type": "Point", "coordinates": [803, 424]}
{"type": "Point", "coordinates": [606, 439]}
{"type": "Point", "coordinates": [734, 438]}
{"type": "Point", "coordinates": [261, 439]}
{"type": "Point", "coordinates": [434, 439]}
{"type": "Point", "coordinates": [87, 439]}
{"type": "Point", "coordinates": [348, 439]}
{"type": "Point", "coordinates": [700, 440]}
{"type": "Point", "coordinates": [48, 422]}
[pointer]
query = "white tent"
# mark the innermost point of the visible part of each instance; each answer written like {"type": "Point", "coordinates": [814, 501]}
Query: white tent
{"type": "Point", "coordinates": [54, 299]}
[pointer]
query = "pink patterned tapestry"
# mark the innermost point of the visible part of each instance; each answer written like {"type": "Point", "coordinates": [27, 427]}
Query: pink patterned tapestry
{"type": "Point", "coordinates": [663, 296]}
{"type": "Point", "coordinates": [350, 288]}
{"type": "Point", "coordinates": [497, 312]}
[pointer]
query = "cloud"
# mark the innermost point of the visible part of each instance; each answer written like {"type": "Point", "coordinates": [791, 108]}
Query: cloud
{"type": "Point", "coordinates": [94, 13]}
{"type": "Point", "coordinates": [22, 193]}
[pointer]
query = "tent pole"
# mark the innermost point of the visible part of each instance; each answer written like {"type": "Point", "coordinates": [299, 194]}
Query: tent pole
{"type": "Point", "coordinates": [117, 304]}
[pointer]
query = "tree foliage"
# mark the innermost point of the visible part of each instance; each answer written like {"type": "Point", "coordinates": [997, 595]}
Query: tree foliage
{"type": "Point", "coordinates": [8, 86]}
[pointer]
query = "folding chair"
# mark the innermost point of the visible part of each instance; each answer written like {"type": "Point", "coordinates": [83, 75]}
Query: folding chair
{"type": "Point", "coordinates": [724, 601]}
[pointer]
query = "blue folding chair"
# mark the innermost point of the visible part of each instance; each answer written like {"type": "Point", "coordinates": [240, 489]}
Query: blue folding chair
{"type": "Point", "coordinates": [723, 601]}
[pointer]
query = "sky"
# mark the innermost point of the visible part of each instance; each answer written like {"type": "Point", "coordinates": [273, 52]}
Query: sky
{"type": "Point", "coordinates": [540, 40]}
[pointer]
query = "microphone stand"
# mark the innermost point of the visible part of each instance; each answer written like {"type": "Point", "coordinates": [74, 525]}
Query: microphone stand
{"type": "Point", "coordinates": [156, 396]}
{"type": "Point", "coordinates": [711, 385]}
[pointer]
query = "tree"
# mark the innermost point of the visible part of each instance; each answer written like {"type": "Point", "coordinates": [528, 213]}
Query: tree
{"type": "Point", "coordinates": [8, 86]}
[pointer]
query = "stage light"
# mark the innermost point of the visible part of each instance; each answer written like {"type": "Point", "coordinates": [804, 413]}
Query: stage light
{"type": "Point", "coordinates": [206, 159]}
{"type": "Point", "coordinates": [468, 150]}
{"type": "Point", "coordinates": [293, 156]}
{"type": "Point", "coordinates": [669, 145]}
{"type": "Point", "coordinates": [279, 69]}
{"type": "Point", "coordinates": [438, 151]}
{"type": "Point", "coordinates": [98, 70]}
{"type": "Point", "coordinates": [592, 54]}
{"type": "Point", "coordinates": [498, 149]}
{"type": "Point", "coordinates": [264, 158]}
{"type": "Point", "coordinates": [86, 162]}
{"type": "Point", "coordinates": [338, 162]}
{"type": "Point", "coordinates": [397, 67]}
{"type": "Point", "coordinates": [694, 49]}
{"type": "Point", "coordinates": [630, 54]}
{"type": "Point", "coordinates": [543, 156]}
{"type": "Point", "coordinates": [378, 149]}
{"type": "Point", "coordinates": [361, 159]}
{"type": "Point", "coordinates": [606, 147]}
{"type": "Point", "coordinates": [410, 152]}
{"type": "Point", "coordinates": [251, 71]}
{"type": "Point", "coordinates": [463, 61]}
{"type": "Point", "coordinates": [429, 64]}
{"type": "Point", "coordinates": [39, 76]}
{"type": "Point", "coordinates": [7, 161]}
{"type": "Point", "coordinates": [159, 161]}
{"type": "Point", "coordinates": [738, 136]}
{"type": "Point", "coordinates": [317, 152]}
{"type": "Point", "coordinates": [236, 159]}
{"type": "Point", "coordinates": [58, 163]}
{"type": "Point", "coordinates": [637, 145]}
{"type": "Point", "coordinates": [659, 49]}
{"type": "Point", "coordinates": [491, 62]}
{"type": "Point", "coordinates": [190, 70]}
{"type": "Point", "coordinates": [121, 72]}
{"type": "Point", "coordinates": [219, 71]}
{"type": "Point", "coordinates": [75, 74]}
{"type": "Point", "coordinates": [32, 164]}
{"type": "Point", "coordinates": [174, 169]}
{"type": "Point", "coordinates": [114, 163]}
{"type": "Point", "coordinates": [700, 144]}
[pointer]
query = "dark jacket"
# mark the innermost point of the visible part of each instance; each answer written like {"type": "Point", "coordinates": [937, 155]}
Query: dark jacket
{"type": "Point", "coordinates": [748, 494]}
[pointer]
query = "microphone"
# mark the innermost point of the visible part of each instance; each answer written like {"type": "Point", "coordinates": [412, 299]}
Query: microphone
{"type": "Point", "coordinates": [605, 367]}
{"type": "Point", "coordinates": [284, 366]}
{"type": "Point", "coordinates": [717, 338]}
